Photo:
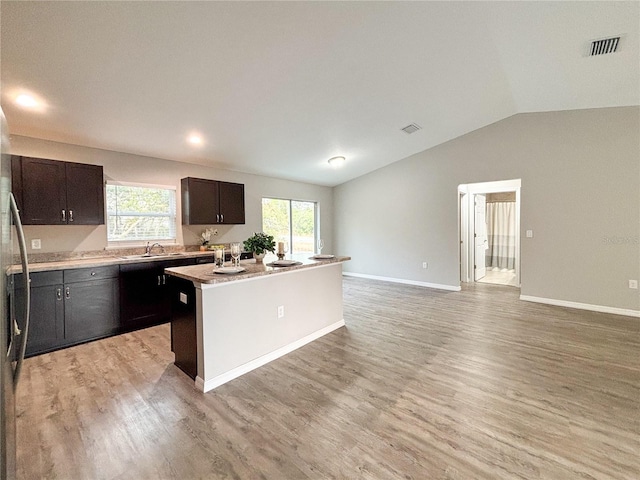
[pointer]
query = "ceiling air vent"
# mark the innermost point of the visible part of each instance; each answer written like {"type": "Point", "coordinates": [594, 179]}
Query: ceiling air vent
{"type": "Point", "coordinates": [604, 46]}
{"type": "Point", "coordinates": [409, 129]}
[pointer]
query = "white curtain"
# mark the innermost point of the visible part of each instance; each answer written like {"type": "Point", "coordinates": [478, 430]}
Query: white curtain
{"type": "Point", "coordinates": [501, 233]}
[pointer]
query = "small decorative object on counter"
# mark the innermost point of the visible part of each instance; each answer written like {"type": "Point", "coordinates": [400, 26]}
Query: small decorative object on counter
{"type": "Point", "coordinates": [205, 238]}
{"type": "Point", "coordinates": [218, 255]}
{"type": "Point", "coordinates": [235, 254]}
{"type": "Point", "coordinates": [260, 243]}
{"type": "Point", "coordinates": [283, 247]}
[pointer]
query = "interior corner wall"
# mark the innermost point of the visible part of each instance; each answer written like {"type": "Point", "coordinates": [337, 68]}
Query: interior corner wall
{"type": "Point", "coordinates": [580, 173]}
{"type": "Point", "coordinates": [135, 168]}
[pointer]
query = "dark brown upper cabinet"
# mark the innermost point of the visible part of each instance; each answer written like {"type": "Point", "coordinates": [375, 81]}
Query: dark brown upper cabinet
{"type": "Point", "coordinates": [210, 202]}
{"type": "Point", "coordinates": [51, 192]}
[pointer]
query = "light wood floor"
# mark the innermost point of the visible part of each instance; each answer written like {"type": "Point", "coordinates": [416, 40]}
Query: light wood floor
{"type": "Point", "coordinates": [421, 384]}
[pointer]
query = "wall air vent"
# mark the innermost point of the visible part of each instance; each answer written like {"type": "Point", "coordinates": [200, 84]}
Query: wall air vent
{"type": "Point", "coordinates": [604, 46]}
{"type": "Point", "coordinates": [409, 129]}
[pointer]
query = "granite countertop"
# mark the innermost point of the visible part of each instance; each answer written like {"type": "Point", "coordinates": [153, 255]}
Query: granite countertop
{"type": "Point", "coordinates": [102, 261]}
{"type": "Point", "coordinates": [205, 273]}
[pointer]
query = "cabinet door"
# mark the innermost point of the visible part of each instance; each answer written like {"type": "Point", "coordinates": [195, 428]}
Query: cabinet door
{"type": "Point", "coordinates": [91, 309]}
{"type": "Point", "coordinates": [43, 192]}
{"type": "Point", "coordinates": [16, 181]}
{"type": "Point", "coordinates": [46, 324]}
{"type": "Point", "coordinates": [231, 203]}
{"type": "Point", "coordinates": [144, 298]}
{"type": "Point", "coordinates": [183, 325]}
{"type": "Point", "coordinates": [46, 321]}
{"type": "Point", "coordinates": [85, 194]}
{"type": "Point", "coordinates": [139, 297]}
{"type": "Point", "coordinates": [199, 201]}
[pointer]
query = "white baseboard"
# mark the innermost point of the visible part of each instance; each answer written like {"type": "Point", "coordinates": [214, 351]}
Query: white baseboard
{"type": "Point", "coordinates": [582, 306]}
{"type": "Point", "coordinates": [214, 382]}
{"type": "Point", "coordinates": [438, 286]}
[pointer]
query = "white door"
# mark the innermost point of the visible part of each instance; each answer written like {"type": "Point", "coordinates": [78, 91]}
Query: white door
{"type": "Point", "coordinates": [480, 235]}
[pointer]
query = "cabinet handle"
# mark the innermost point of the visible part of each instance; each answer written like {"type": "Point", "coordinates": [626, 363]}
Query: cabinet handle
{"type": "Point", "coordinates": [59, 293]}
{"type": "Point", "coordinates": [164, 279]}
{"type": "Point", "coordinates": [217, 218]}
{"type": "Point", "coordinates": [67, 292]}
{"type": "Point", "coordinates": [222, 218]}
{"type": "Point", "coordinates": [93, 274]}
{"type": "Point", "coordinates": [71, 215]}
{"type": "Point", "coordinates": [64, 215]}
{"type": "Point", "coordinates": [158, 280]}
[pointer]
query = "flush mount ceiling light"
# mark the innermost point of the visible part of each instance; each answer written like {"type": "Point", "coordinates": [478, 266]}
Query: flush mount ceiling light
{"type": "Point", "coordinates": [336, 162]}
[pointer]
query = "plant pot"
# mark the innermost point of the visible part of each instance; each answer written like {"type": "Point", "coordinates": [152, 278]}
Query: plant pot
{"type": "Point", "coordinates": [203, 248]}
{"type": "Point", "coordinates": [258, 256]}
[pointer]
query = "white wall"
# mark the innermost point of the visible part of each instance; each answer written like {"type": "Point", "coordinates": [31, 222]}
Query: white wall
{"type": "Point", "coordinates": [580, 174]}
{"type": "Point", "coordinates": [236, 335]}
{"type": "Point", "coordinates": [134, 168]}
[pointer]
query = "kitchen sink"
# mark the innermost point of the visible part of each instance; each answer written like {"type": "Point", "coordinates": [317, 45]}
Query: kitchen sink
{"type": "Point", "coordinates": [153, 255]}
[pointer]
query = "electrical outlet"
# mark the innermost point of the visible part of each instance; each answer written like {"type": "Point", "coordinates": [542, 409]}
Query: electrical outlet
{"type": "Point", "coordinates": [633, 284]}
{"type": "Point", "coordinates": [529, 233]}
{"type": "Point", "coordinates": [36, 244]}
{"type": "Point", "coordinates": [425, 265]}
{"type": "Point", "coordinates": [281, 311]}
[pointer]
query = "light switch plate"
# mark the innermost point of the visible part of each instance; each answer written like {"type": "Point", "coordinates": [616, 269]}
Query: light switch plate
{"type": "Point", "coordinates": [183, 298]}
{"type": "Point", "coordinates": [633, 284]}
{"type": "Point", "coordinates": [529, 233]}
{"type": "Point", "coordinates": [36, 244]}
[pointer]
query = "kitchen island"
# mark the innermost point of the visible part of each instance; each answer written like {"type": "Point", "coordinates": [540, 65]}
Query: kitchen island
{"type": "Point", "coordinates": [225, 325]}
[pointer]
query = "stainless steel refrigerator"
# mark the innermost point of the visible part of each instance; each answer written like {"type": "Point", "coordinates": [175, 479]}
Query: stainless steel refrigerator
{"type": "Point", "coordinates": [13, 334]}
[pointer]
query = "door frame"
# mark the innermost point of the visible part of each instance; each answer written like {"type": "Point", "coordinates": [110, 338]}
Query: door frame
{"type": "Point", "coordinates": [484, 234]}
{"type": "Point", "coordinates": [466, 199]}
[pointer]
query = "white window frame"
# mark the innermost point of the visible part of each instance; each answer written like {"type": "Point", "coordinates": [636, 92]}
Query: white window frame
{"type": "Point", "coordinates": [137, 243]}
{"type": "Point", "coordinates": [316, 219]}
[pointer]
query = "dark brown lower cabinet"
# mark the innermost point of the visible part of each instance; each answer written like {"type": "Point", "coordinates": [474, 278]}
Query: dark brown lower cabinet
{"type": "Point", "coordinates": [74, 306]}
{"type": "Point", "coordinates": [46, 326]}
{"type": "Point", "coordinates": [145, 299]}
{"type": "Point", "coordinates": [91, 310]}
{"type": "Point", "coordinates": [70, 307]}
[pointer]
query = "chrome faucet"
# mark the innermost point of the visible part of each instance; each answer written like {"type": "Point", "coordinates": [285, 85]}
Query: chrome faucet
{"type": "Point", "coordinates": [150, 247]}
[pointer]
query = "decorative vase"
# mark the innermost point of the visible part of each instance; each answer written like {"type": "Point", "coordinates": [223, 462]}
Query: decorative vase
{"type": "Point", "coordinates": [203, 248]}
{"type": "Point", "coordinates": [218, 256]}
{"type": "Point", "coordinates": [258, 256]}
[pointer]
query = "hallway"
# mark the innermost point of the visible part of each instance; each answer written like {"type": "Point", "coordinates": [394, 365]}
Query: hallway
{"type": "Point", "coordinates": [499, 276]}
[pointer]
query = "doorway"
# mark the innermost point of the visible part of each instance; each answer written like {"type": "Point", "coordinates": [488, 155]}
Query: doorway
{"type": "Point", "coordinates": [489, 216]}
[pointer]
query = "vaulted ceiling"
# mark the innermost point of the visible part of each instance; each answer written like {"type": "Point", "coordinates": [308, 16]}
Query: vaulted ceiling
{"type": "Point", "coordinates": [277, 88]}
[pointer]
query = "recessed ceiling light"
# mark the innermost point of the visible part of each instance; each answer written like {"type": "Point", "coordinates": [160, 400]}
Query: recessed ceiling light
{"type": "Point", "coordinates": [194, 139]}
{"type": "Point", "coordinates": [336, 162]}
{"type": "Point", "coordinates": [26, 101]}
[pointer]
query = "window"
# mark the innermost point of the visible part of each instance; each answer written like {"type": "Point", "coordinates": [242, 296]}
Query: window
{"type": "Point", "coordinates": [291, 221]}
{"type": "Point", "coordinates": [137, 212]}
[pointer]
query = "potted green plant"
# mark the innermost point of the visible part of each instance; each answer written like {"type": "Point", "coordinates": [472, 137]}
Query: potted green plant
{"type": "Point", "coordinates": [260, 243]}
